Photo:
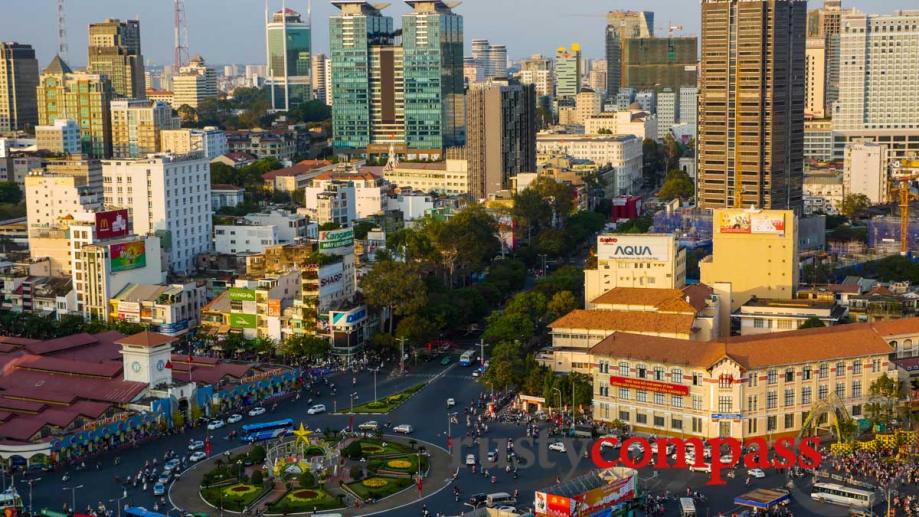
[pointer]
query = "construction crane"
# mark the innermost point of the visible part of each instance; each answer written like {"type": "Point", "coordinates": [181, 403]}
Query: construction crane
{"type": "Point", "coordinates": [61, 31]}
{"type": "Point", "coordinates": [902, 173]}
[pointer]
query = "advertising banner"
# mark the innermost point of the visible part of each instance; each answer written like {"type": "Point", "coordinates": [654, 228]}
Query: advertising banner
{"type": "Point", "coordinates": [239, 294]}
{"type": "Point", "coordinates": [647, 385]}
{"type": "Point", "coordinates": [128, 255]}
{"type": "Point", "coordinates": [644, 247]}
{"type": "Point", "coordinates": [331, 279]}
{"type": "Point", "coordinates": [734, 222]}
{"type": "Point", "coordinates": [550, 505]}
{"type": "Point", "coordinates": [128, 306]}
{"type": "Point", "coordinates": [768, 223]}
{"type": "Point", "coordinates": [336, 239]}
{"type": "Point", "coordinates": [607, 496]}
{"type": "Point", "coordinates": [239, 320]}
{"type": "Point", "coordinates": [348, 318]}
{"type": "Point", "coordinates": [274, 307]}
{"type": "Point", "coordinates": [113, 223]}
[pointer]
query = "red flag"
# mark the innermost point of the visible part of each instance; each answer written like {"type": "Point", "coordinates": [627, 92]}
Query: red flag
{"type": "Point", "coordinates": [207, 446]}
{"type": "Point", "coordinates": [420, 483]}
{"type": "Point", "coordinates": [450, 442]}
{"type": "Point", "coordinates": [169, 365]}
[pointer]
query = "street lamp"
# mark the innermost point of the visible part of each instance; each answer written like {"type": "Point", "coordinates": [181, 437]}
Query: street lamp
{"type": "Point", "coordinates": [352, 397]}
{"type": "Point", "coordinates": [559, 398]}
{"type": "Point", "coordinates": [375, 370]}
{"type": "Point", "coordinates": [73, 496]}
{"type": "Point", "coordinates": [30, 481]}
{"type": "Point", "coordinates": [117, 500]}
{"type": "Point", "coordinates": [239, 465]}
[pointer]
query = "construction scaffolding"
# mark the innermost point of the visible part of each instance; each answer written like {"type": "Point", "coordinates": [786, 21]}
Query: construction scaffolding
{"type": "Point", "coordinates": [884, 235]}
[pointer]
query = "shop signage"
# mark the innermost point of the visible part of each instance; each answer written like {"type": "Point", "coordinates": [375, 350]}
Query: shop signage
{"type": "Point", "coordinates": [647, 385]}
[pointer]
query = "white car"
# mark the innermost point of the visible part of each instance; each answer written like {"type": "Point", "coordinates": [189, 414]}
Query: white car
{"type": "Point", "coordinates": [475, 373]}
{"type": "Point", "coordinates": [372, 425]}
{"type": "Point", "coordinates": [403, 428]}
{"type": "Point", "coordinates": [756, 473]}
{"type": "Point", "coordinates": [195, 445]}
{"type": "Point", "coordinates": [318, 408]}
{"type": "Point", "coordinates": [198, 456]}
{"type": "Point", "coordinates": [234, 418]}
{"type": "Point", "coordinates": [451, 402]}
{"type": "Point", "coordinates": [257, 411]}
{"type": "Point", "coordinates": [727, 458]}
{"type": "Point", "coordinates": [636, 447]}
{"type": "Point", "coordinates": [557, 446]}
{"type": "Point", "coordinates": [214, 425]}
{"type": "Point", "coordinates": [170, 465]}
{"type": "Point", "coordinates": [470, 459]}
{"type": "Point", "coordinates": [704, 468]}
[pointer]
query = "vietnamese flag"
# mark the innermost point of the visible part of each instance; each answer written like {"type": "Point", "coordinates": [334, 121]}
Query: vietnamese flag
{"type": "Point", "coordinates": [450, 442]}
{"type": "Point", "coordinates": [420, 483]}
{"type": "Point", "coordinates": [207, 446]}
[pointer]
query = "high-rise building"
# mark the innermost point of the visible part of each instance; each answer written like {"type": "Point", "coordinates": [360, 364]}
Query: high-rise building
{"type": "Point", "coordinates": [689, 99]}
{"type": "Point", "coordinates": [596, 79]}
{"type": "Point", "coordinates": [587, 103]}
{"type": "Point", "coordinates": [647, 99]}
{"type": "Point", "coordinates": [318, 75]}
{"type": "Point", "coordinates": [409, 97]}
{"type": "Point", "coordinates": [667, 102]}
{"type": "Point", "coordinates": [537, 70]}
{"type": "Point", "coordinates": [18, 80]}
{"type": "Point", "coordinates": [502, 135]}
{"type": "Point", "coordinates": [194, 83]}
{"type": "Point", "coordinates": [289, 46]}
{"type": "Point", "coordinates": [751, 116]}
{"type": "Point", "coordinates": [81, 97]}
{"type": "Point", "coordinates": [136, 126]}
{"type": "Point", "coordinates": [497, 57]}
{"type": "Point", "coordinates": [568, 72]}
{"type": "Point", "coordinates": [167, 195]}
{"type": "Point", "coordinates": [622, 25]}
{"type": "Point", "coordinates": [822, 67]}
{"type": "Point", "coordinates": [470, 70]}
{"type": "Point", "coordinates": [114, 51]}
{"type": "Point", "coordinates": [432, 46]}
{"type": "Point", "coordinates": [352, 34]}
{"type": "Point", "coordinates": [328, 81]}
{"type": "Point", "coordinates": [52, 197]}
{"type": "Point", "coordinates": [210, 141]}
{"type": "Point", "coordinates": [62, 137]}
{"type": "Point", "coordinates": [482, 57]}
{"type": "Point", "coordinates": [657, 63]}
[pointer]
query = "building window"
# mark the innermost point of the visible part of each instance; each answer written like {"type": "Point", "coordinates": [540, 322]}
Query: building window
{"type": "Point", "coordinates": [624, 369]}
{"type": "Point", "coordinates": [697, 402]}
{"type": "Point", "coordinates": [658, 373]}
{"type": "Point", "coordinates": [624, 393]}
{"type": "Point", "coordinates": [641, 418]}
{"type": "Point", "coordinates": [857, 410]}
{"type": "Point", "coordinates": [822, 391]}
{"type": "Point", "coordinates": [806, 373]}
{"type": "Point", "coordinates": [604, 367]}
{"type": "Point", "coordinates": [725, 404]}
{"type": "Point", "coordinates": [751, 403]}
{"type": "Point", "coordinates": [790, 375]}
{"type": "Point", "coordinates": [840, 390]}
{"type": "Point", "coordinates": [770, 423]}
{"type": "Point", "coordinates": [875, 365]}
{"type": "Point", "coordinates": [624, 416]}
{"type": "Point", "coordinates": [771, 376]}
{"type": "Point", "coordinates": [697, 379]}
{"type": "Point", "coordinates": [751, 379]}
{"type": "Point", "coordinates": [642, 371]}
{"type": "Point", "coordinates": [659, 399]}
{"type": "Point", "coordinates": [759, 323]}
{"type": "Point", "coordinates": [676, 423]}
{"type": "Point", "coordinates": [676, 376]}
{"type": "Point", "coordinates": [857, 367]}
{"type": "Point", "coordinates": [840, 369]}
{"type": "Point", "coordinates": [824, 370]}
{"type": "Point", "coordinates": [676, 400]}
{"type": "Point", "coordinates": [856, 389]}
{"type": "Point", "coordinates": [771, 399]}
{"type": "Point", "coordinates": [789, 420]}
{"type": "Point", "coordinates": [789, 397]}
{"type": "Point", "coordinates": [751, 426]}
{"type": "Point", "coordinates": [658, 421]}
{"type": "Point", "coordinates": [641, 396]}
{"type": "Point", "coordinates": [724, 380]}
{"type": "Point", "coordinates": [696, 425]}
{"type": "Point", "coordinates": [806, 395]}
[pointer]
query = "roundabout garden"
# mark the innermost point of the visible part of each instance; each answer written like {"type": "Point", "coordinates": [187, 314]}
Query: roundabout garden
{"type": "Point", "coordinates": [385, 404]}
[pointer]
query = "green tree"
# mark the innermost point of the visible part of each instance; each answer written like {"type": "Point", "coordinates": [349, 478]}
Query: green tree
{"type": "Point", "coordinates": [561, 303]}
{"type": "Point", "coordinates": [312, 111]}
{"type": "Point", "coordinates": [361, 228]}
{"type": "Point", "coordinates": [307, 346]}
{"type": "Point", "coordinates": [501, 327]}
{"type": "Point", "coordinates": [188, 115]}
{"type": "Point", "coordinates": [887, 395]}
{"type": "Point", "coordinates": [551, 242]}
{"type": "Point", "coordinates": [416, 329]}
{"type": "Point", "coordinates": [395, 286]}
{"type": "Point", "coordinates": [811, 323]}
{"type": "Point", "coordinates": [506, 367]}
{"type": "Point", "coordinates": [531, 212]}
{"type": "Point", "coordinates": [529, 303]}
{"type": "Point", "coordinates": [10, 192]}
{"type": "Point", "coordinates": [854, 205]}
{"type": "Point", "coordinates": [677, 184]}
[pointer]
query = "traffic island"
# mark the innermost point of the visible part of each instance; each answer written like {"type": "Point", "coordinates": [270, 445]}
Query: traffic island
{"type": "Point", "coordinates": [383, 405]}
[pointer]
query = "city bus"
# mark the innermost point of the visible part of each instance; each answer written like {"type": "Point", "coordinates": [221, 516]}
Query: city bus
{"type": "Point", "coordinates": [140, 511]}
{"type": "Point", "coordinates": [467, 358]}
{"type": "Point", "coordinates": [842, 495]}
{"type": "Point", "coordinates": [266, 430]}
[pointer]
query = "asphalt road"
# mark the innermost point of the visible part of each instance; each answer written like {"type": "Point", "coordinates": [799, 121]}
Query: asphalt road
{"type": "Point", "coordinates": [427, 413]}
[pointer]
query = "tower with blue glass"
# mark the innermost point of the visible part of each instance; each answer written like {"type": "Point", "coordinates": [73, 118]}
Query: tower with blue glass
{"type": "Point", "coordinates": [289, 42]}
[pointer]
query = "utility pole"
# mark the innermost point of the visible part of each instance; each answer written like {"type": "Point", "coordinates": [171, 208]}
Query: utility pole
{"type": "Point", "coordinates": [30, 481]}
{"type": "Point", "coordinates": [73, 497]}
{"type": "Point", "coordinates": [401, 354]}
{"type": "Point", "coordinates": [375, 370]}
{"type": "Point", "coordinates": [482, 352]}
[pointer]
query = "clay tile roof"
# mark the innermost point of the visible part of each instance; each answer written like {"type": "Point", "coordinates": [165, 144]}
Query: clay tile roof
{"type": "Point", "coordinates": [61, 343]}
{"type": "Point", "coordinates": [21, 428]}
{"type": "Point", "coordinates": [626, 321]}
{"type": "Point", "coordinates": [655, 349]}
{"type": "Point", "coordinates": [691, 299]}
{"type": "Point", "coordinates": [896, 327]}
{"type": "Point", "coordinates": [146, 339]}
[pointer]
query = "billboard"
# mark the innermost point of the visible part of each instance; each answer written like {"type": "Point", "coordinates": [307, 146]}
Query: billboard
{"type": "Point", "coordinates": [607, 496]}
{"type": "Point", "coordinates": [730, 221]}
{"type": "Point", "coordinates": [274, 307]}
{"type": "Point", "coordinates": [331, 279]}
{"type": "Point", "coordinates": [641, 247]}
{"type": "Point", "coordinates": [128, 255]}
{"type": "Point", "coordinates": [348, 318]}
{"type": "Point", "coordinates": [240, 320]}
{"type": "Point", "coordinates": [768, 223]}
{"type": "Point", "coordinates": [239, 294]}
{"type": "Point", "coordinates": [646, 385]}
{"type": "Point", "coordinates": [733, 222]}
{"type": "Point", "coordinates": [550, 505]}
{"type": "Point", "coordinates": [111, 224]}
{"type": "Point", "coordinates": [336, 240]}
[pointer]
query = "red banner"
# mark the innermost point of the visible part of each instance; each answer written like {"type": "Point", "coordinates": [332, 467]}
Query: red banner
{"type": "Point", "coordinates": [645, 384]}
{"type": "Point", "coordinates": [111, 224]}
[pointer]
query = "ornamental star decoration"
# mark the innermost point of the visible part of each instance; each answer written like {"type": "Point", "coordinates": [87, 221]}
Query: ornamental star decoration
{"type": "Point", "coordinates": [303, 434]}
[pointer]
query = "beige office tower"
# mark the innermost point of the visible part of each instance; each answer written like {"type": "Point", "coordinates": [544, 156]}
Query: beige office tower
{"type": "Point", "coordinates": [751, 104]}
{"type": "Point", "coordinates": [114, 51]}
{"type": "Point", "coordinates": [18, 80]}
{"type": "Point", "coordinates": [822, 72]}
{"type": "Point", "coordinates": [194, 83]}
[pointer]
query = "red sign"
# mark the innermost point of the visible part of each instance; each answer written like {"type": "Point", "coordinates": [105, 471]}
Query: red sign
{"type": "Point", "coordinates": [644, 384]}
{"type": "Point", "coordinates": [111, 224]}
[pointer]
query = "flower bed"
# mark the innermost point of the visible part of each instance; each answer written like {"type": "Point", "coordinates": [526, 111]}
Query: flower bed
{"type": "Point", "coordinates": [234, 497]}
{"type": "Point", "coordinates": [398, 464]}
{"type": "Point", "coordinates": [388, 403]}
{"type": "Point", "coordinates": [301, 500]}
{"type": "Point", "coordinates": [379, 487]}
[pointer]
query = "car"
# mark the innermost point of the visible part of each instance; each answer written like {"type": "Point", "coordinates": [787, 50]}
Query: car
{"type": "Point", "coordinates": [197, 456]}
{"type": "Point", "coordinates": [451, 402]}
{"type": "Point", "coordinates": [477, 499]}
{"type": "Point", "coordinates": [403, 428]}
{"type": "Point", "coordinates": [727, 458]}
{"type": "Point", "coordinates": [194, 445]}
{"type": "Point", "coordinates": [470, 460]}
{"type": "Point", "coordinates": [170, 465]}
{"type": "Point", "coordinates": [164, 478]}
{"type": "Point", "coordinates": [234, 418]}
{"type": "Point", "coordinates": [257, 411]}
{"type": "Point", "coordinates": [756, 473]}
{"type": "Point", "coordinates": [701, 468]}
{"type": "Point", "coordinates": [372, 425]}
{"type": "Point", "coordinates": [636, 447]}
{"type": "Point", "coordinates": [557, 446]}
{"type": "Point", "coordinates": [506, 509]}
{"type": "Point", "coordinates": [213, 425]}
{"type": "Point", "coordinates": [492, 456]}
{"type": "Point", "coordinates": [316, 409]}
{"type": "Point", "coordinates": [159, 489]}
{"type": "Point", "coordinates": [475, 373]}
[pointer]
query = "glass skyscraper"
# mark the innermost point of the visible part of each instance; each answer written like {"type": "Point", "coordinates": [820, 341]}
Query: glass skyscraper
{"type": "Point", "coordinates": [289, 42]}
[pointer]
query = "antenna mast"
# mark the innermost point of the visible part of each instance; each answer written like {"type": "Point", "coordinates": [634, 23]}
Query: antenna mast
{"type": "Point", "coordinates": [180, 33]}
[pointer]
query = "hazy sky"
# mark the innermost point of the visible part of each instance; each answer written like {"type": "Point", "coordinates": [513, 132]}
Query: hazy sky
{"type": "Point", "coordinates": [232, 31]}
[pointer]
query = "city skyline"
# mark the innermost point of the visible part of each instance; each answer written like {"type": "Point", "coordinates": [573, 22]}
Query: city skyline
{"type": "Point", "coordinates": [584, 23]}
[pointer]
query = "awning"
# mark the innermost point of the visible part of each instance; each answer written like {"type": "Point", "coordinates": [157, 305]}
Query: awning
{"type": "Point", "coordinates": [762, 498]}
